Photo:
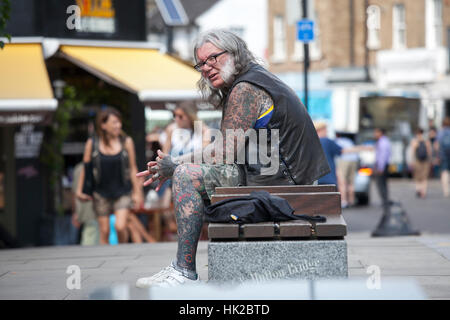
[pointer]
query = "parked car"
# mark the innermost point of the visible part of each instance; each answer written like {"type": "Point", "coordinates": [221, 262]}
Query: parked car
{"type": "Point", "coordinates": [363, 176]}
{"type": "Point", "coordinates": [362, 186]}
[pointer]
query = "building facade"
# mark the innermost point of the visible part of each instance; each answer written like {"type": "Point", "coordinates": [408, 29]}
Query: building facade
{"type": "Point", "coordinates": [373, 63]}
{"type": "Point", "coordinates": [372, 44]}
{"type": "Point", "coordinates": [249, 22]}
{"type": "Point", "coordinates": [72, 52]}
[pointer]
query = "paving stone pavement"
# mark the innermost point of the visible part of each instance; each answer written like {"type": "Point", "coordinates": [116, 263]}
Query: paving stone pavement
{"type": "Point", "coordinates": [41, 272]}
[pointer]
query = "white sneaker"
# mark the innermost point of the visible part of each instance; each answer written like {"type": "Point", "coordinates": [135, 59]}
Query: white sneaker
{"type": "Point", "coordinates": [168, 277]}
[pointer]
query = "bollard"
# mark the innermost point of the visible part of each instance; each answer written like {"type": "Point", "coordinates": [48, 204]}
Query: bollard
{"type": "Point", "coordinates": [394, 222]}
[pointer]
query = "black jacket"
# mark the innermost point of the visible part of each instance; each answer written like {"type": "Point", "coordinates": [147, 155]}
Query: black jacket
{"type": "Point", "coordinates": [260, 206]}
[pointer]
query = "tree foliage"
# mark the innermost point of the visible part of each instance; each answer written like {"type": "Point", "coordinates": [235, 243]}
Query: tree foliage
{"type": "Point", "coordinates": [5, 11]}
{"type": "Point", "coordinates": [52, 150]}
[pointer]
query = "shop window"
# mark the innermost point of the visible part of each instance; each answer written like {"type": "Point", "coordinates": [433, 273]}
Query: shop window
{"type": "Point", "coordinates": [448, 48]}
{"type": "Point", "coordinates": [434, 29]}
{"type": "Point", "coordinates": [279, 39]}
{"type": "Point", "coordinates": [373, 27]}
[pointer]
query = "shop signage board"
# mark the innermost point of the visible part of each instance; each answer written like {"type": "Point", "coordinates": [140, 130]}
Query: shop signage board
{"type": "Point", "coordinates": [123, 20]}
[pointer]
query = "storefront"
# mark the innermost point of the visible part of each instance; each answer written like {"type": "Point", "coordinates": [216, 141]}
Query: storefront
{"type": "Point", "coordinates": [141, 77]}
{"type": "Point", "coordinates": [148, 77]}
{"type": "Point", "coordinates": [26, 107]}
{"type": "Point", "coordinates": [102, 54]}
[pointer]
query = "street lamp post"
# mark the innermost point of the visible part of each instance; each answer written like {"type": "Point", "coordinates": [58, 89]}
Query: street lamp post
{"type": "Point", "coordinates": [306, 55]}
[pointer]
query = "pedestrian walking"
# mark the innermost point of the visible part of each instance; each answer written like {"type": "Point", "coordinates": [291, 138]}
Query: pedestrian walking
{"type": "Point", "coordinates": [421, 152]}
{"type": "Point", "coordinates": [83, 212]}
{"type": "Point", "coordinates": [333, 150]}
{"type": "Point", "coordinates": [432, 137]}
{"type": "Point", "coordinates": [110, 167]}
{"type": "Point", "coordinates": [381, 167]}
{"type": "Point", "coordinates": [444, 155]}
{"type": "Point", "coordinates": [346, 167]}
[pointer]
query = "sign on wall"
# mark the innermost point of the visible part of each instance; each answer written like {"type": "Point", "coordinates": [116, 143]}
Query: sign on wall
{"type": "Point", "coordinates": [28, 142]}
{"type": "Point", "coordinates": [96, 16]}
{"type": "Point", "coordinates": [79, 19]}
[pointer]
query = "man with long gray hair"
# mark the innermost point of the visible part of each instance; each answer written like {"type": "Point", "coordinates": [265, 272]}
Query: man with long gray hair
{"type": "Point", "coordinates": [253, 101]}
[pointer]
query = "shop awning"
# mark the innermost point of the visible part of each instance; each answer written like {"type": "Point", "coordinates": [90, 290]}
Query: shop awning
{"type": "Point", "coordinates": [24, 82]}
{"type": "Point", "coordinates": [153, 76]}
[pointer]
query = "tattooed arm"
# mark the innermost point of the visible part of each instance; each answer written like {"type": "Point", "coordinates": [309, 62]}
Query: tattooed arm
{"type": "Point", "coordinates": [245, 103]}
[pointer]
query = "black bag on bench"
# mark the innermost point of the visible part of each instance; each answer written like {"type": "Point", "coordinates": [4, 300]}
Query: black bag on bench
{"type": "Point", "coordinates": [259, 206]}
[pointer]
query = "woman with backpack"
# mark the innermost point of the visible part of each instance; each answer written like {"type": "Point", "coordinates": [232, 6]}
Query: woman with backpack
{"type": "Point", "coordinates": [421, 150]}
{"type": "Point", "coordinates": [110, 168]}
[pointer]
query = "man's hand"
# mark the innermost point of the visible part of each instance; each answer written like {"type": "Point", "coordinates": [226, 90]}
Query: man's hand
{"type": "Point", "coordinates": [162, 169]}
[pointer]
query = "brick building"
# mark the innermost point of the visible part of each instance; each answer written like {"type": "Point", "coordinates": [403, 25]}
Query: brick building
{"type": "Point", "coordinates": [373, 63]}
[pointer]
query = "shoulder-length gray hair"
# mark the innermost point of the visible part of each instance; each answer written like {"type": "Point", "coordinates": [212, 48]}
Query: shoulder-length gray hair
{"type": "Point", "coordinates": [236, 47]}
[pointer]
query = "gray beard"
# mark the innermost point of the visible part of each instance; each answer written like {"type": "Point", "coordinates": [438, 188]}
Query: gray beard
{"type": "Point", "coordinates": [227, 73]}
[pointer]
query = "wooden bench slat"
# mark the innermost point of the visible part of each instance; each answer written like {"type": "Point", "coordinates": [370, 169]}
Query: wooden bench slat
{"type": "Point", "coordinates": [223, 231]}
{"type": "Point", "coordinates": [277, 189]}
{"type": "Point", "coordinates": [295, 229]}
{"type": "Point", "coordinates": [322, 203]}
{"type": "Point", "coordinates": [335, 226]}
{"type": "Point", "coordinates": [259, 230]}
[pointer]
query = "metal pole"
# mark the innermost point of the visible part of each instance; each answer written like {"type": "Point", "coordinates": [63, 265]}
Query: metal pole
{"type": "Point", "coordinates": [169, 39]}
{"type": "Point", "coordinates": [366, 35]}
{"type": "Point", "coordinates": [352, 33]}
{"type": "Point", "coordinates": [306, 55]}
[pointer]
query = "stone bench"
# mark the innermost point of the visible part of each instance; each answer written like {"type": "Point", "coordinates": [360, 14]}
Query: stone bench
{"type": "Point", "coordinates": [274, 250]}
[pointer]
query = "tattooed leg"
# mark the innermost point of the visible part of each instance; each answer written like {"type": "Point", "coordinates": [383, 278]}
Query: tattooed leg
{"type": "Point", "coordinates": [188, 190]}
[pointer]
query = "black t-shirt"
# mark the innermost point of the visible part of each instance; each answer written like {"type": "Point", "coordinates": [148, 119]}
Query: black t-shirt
{"type": "Point", "coordinates": [111, 184]}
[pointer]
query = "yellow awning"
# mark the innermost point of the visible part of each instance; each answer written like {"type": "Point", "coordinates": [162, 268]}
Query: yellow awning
{"type": "Point", "coordinates": [153, 76]}
{"type": "Point", "coordinates": [24, 82]}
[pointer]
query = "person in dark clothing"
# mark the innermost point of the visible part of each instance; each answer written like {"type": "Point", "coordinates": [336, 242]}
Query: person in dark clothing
{"type": "Point", "coordinates": [117, 189]}
{"type": "Point", "coordinates": [253, 101]}
{"type": "Point", "coordinates": [380, 172]}
{"type": "Point", "coordinates": [421, 150]}
{"type": "Point", "coordinates": [432, 137]}
{"type": "Point", "coordinates": [332, 150]}
{"type": "Point", "coordinates": [443, 143]}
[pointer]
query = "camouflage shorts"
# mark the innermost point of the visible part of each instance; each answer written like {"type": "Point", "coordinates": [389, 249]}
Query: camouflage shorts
{"type": "Point", "coordinates": [219, 175]}
{"type": "Point", "coordinates": [104, 206]}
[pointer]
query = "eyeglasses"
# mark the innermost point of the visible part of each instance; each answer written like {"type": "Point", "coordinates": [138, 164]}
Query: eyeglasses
{"type": "Point", "coordinates": [210, 61]}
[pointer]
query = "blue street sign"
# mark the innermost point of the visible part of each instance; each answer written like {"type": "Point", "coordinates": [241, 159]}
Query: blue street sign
{"type": "Point", "coordinates": [305, 30]}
